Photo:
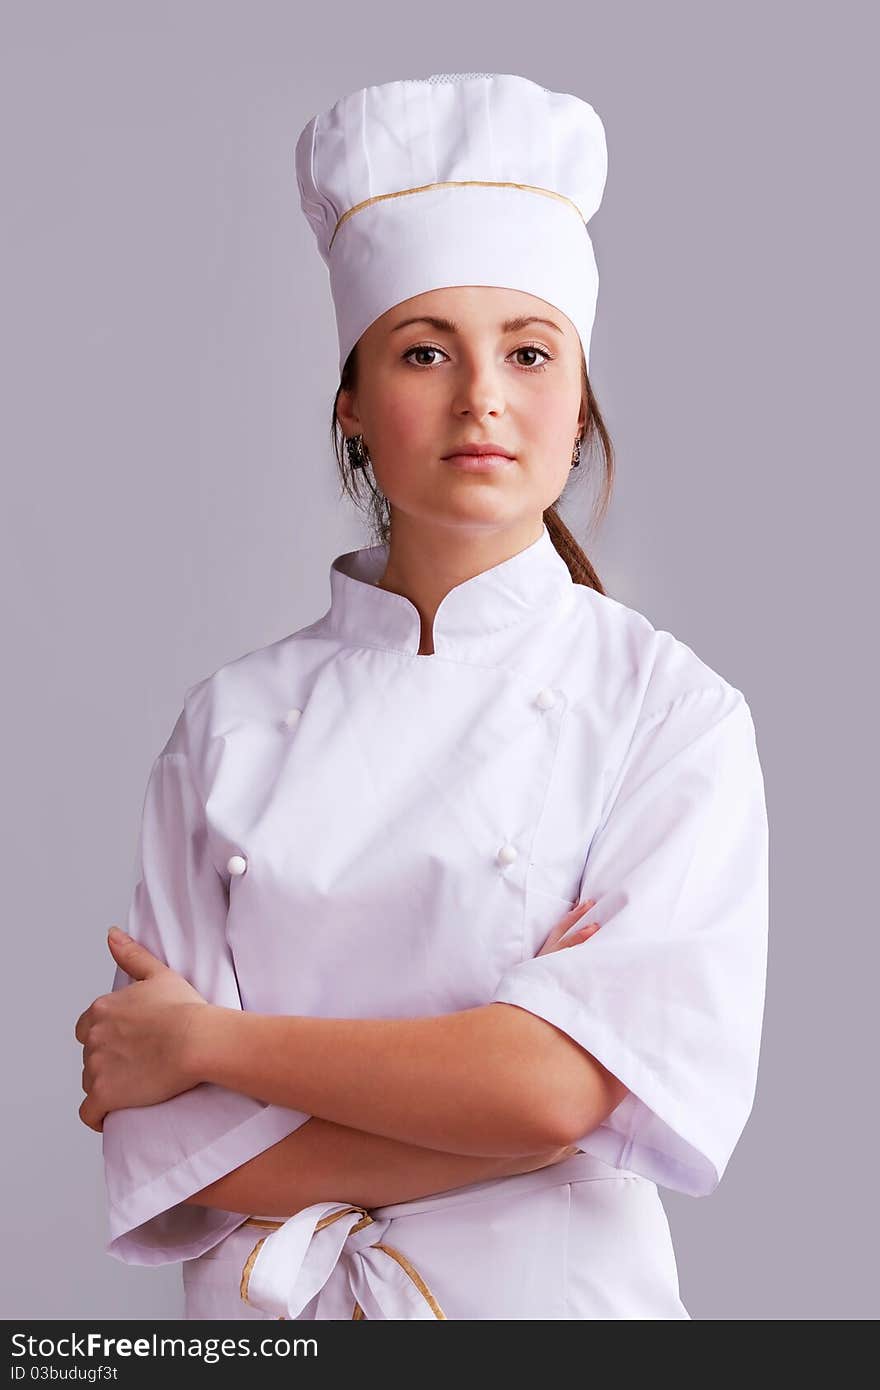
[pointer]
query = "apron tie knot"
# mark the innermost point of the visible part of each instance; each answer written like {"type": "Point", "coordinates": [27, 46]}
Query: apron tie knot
{"type": "Point", "coordinates": [336, 1251]}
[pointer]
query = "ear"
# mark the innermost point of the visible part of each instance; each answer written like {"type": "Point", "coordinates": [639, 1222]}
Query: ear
{"type": "Point", "coordinates": [346, 413]}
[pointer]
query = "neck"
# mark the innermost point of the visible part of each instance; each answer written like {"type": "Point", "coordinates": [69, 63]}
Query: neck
{"type": "Point", "coordinates": [426, 562]}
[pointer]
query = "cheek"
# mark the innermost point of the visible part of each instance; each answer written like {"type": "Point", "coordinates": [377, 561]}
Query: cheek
{"type": "Point", "coordinates": [553, 413]}
{"type": "Point", "coordinates": [405, 433]}
{"type": "Point", "coordinates": [548, 430]}
{"type": "Point", "coordinates": [548, 433]}
{"type": "Point", "coordinates": [404, 419]}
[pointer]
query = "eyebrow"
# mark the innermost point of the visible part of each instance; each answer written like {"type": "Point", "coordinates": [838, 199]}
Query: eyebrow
{"type": "Point", "coordinates": [448, 326]}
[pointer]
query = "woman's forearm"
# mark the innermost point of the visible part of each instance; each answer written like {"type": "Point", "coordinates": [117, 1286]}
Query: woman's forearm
{"type": "Point", "coordinates": [492, 1080]}
{"type": "Point", "coordinates": [325, 1162]}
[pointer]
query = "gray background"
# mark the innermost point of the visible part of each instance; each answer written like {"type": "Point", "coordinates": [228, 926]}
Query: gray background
{"type": "Point", "coordinates": [170, 501]}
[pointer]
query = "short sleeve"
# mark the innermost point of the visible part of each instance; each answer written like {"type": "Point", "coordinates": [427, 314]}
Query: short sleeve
{"type": "Point", "coordinates": [669, 994]}
{"type": "Point", "coordinates": [156, 1156]}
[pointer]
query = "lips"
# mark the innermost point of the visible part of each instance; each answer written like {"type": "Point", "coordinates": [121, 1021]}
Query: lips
{"type": "Point", "coordinates": [479, 451]}
{"type": "Point", "coordinates": [478, 463]}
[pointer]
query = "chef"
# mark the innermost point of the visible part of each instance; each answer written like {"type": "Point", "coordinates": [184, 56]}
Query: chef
{"type": "Point", "coordinates": [474, 865]}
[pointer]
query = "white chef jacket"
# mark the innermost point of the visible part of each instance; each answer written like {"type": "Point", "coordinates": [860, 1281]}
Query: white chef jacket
{"type": "Point", "coordinates": [340, 827]}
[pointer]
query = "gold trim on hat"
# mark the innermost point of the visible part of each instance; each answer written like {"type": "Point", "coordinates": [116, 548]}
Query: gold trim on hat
{"type": "Point", "coordinates": [454, 183]}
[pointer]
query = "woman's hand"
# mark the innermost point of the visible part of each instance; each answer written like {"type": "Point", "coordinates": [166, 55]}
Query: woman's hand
{"type": "Point", "coordinates": [134, 1039]}
{"type": "Point", "coordinates": [554, 941]}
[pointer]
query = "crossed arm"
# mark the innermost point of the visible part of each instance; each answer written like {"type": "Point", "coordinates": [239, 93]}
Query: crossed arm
{"type": "Point", "coordinates": [399, 1107]}
{"type": "Point", "coordinates": [486, 1092]}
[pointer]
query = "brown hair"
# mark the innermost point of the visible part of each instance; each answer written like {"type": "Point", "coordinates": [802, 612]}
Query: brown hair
{"type": "Point", "coordinates": [377, 508]}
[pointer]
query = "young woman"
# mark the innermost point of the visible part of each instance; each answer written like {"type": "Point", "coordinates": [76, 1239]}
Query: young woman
{"type": "Point", "coordinates": [371, 999]}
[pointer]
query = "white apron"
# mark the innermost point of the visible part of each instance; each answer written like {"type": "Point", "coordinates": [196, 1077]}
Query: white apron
{"type": "Point", "coordinates": [579, 1239]}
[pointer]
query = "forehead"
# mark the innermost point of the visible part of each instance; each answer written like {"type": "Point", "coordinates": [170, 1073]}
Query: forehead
{"type": "Point", "coordinates": [475, 309]}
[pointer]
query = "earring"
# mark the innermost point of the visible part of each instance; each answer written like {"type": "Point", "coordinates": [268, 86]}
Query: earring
{"type": "Point", "coordinates": [576, 453]}
{"type": "Point", "coordinates": [358, 456]}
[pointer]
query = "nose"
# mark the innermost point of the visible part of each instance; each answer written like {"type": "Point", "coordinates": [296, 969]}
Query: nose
{"type": "Point", "coordinates": [479, 390]}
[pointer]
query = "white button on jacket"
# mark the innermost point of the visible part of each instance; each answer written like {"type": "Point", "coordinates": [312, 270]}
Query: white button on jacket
{"type": "Point", "coordinates": [410, 837]}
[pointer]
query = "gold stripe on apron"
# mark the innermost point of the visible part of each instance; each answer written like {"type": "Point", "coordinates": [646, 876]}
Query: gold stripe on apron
{"type": "Point", "coordinates": [366, 1220]}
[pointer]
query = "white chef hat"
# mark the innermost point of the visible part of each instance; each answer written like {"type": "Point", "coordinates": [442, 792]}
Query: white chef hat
{"type": "Point", "coordinates": [462, 178]}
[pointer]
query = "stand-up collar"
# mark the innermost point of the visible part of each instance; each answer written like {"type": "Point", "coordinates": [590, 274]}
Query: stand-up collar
{"type": "Point", "coordinates": [516, 591]}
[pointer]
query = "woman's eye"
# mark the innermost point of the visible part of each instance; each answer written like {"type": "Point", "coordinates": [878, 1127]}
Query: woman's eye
{"type": "Point", "coordinates": [531, 366]}
{"type": "Point", "coordinates": [408, 355]}
{"type": "Point", "coordinates": [536, 367]}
